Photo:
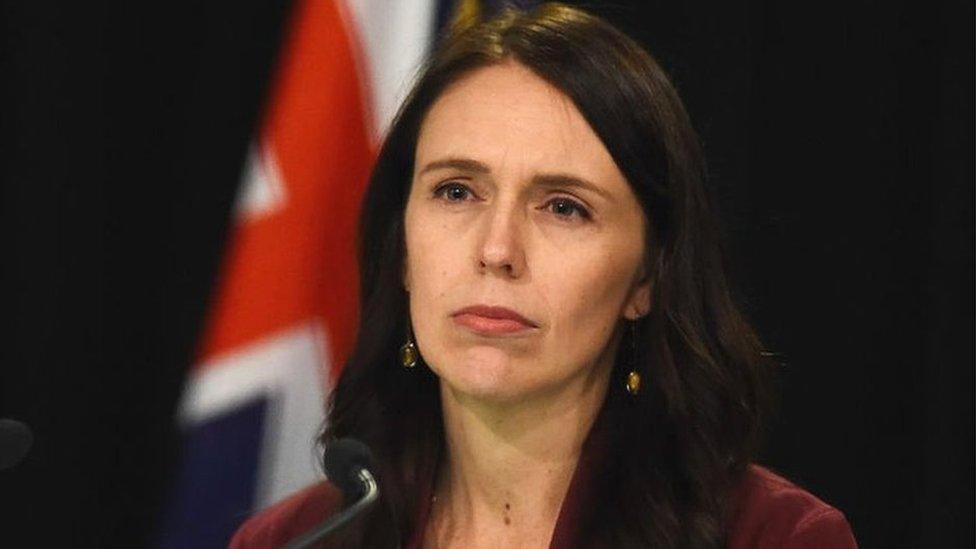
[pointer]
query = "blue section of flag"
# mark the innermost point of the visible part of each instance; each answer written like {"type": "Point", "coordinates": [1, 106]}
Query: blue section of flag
{"type": "Point", "coordinates": [442, 14]}
{"type": "Point", "coordinates": [215, 487]}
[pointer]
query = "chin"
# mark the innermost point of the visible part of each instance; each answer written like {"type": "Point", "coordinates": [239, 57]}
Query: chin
{"type": "Point", "coordinates": [483, 373]}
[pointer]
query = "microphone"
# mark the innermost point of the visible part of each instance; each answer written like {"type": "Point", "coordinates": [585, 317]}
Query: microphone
{"type": "Point", "coordinates": [347, 463]}
{"type": "Point", "coordinates": [15, 441]}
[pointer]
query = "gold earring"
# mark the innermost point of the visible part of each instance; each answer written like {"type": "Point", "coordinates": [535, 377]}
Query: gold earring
{"type": "Point", "coordinates": [633, 378]}
{"type": "Point", "coordinates": [408, 352]}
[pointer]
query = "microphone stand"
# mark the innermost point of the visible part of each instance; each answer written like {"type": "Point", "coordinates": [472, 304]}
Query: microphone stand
{"type": "Point", "coordinates": [344, 516]}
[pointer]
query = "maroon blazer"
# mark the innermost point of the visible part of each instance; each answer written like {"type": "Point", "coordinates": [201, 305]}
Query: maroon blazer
{"type": "Point", "coordinates": [770, 511]}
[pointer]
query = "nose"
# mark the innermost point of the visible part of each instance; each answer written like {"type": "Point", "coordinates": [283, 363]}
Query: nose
{"type": "Point", "coordinates": [501, 248]}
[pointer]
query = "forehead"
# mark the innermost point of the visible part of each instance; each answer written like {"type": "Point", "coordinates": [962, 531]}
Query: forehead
{"type": "Point", "coordinates": [508, 117]}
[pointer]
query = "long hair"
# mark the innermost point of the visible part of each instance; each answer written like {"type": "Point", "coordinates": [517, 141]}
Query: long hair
{"type": "Point", "coordinates": [680, 446]}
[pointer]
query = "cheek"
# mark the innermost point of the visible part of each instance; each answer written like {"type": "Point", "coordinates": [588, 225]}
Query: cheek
{"type": "Point", "coordinates": [434, 267]}
{"type": "Point", "coordinates": [432, 258]}
{"type": "Point", "coordinates": [586, 294]}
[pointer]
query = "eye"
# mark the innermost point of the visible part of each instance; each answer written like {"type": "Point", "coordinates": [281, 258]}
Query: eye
{"type": "Point", "coordinates": [453, 192]}
{"type": "Point", "coordinates": [566, 208]}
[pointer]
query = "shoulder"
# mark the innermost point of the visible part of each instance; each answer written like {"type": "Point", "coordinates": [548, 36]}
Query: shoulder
{"type": "Point", "coordinates": [773, 512]}
{"type": "Point", "coordinates": [286, 520]}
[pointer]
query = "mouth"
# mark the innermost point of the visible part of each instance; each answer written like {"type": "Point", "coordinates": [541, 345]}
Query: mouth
{"type": "Point", "coordinates": [487, 320]}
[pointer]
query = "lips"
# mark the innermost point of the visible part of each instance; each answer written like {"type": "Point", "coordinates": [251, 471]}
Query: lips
{"type": "Point", "coordinates": [492, 320]}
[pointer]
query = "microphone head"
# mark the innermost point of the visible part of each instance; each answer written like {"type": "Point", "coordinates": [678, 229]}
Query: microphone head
{"type": "Point", "coordinates": [15, 440]}
{"type": "Point", "coordinates": [343, 460]}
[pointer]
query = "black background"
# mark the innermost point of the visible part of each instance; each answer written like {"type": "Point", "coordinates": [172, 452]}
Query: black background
{"type": "Point", "coordinates": [840, 144]}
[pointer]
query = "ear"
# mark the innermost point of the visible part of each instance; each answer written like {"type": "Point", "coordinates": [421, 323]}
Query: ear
{"type": "Point", "coordinates": [639, 302]}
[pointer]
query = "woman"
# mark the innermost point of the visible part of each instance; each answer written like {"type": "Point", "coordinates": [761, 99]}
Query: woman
{"type": "Point", "coordinates": [548, 353]}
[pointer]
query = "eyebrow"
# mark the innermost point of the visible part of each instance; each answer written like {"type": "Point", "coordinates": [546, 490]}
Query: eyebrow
{"type": "Point", "coordinates": [465, 164]}
{"type": "Point", "coordinates": [543, 180]}
{"type": "Point", "coordinates": [558, 180]}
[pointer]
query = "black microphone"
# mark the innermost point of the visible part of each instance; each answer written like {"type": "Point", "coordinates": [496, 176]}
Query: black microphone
{"type": "Point", "coordinates": [347, 464]}
{"type": "Point", "coordinates": [15, 441]}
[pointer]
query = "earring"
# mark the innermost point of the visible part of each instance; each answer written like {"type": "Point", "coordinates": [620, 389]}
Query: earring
{"type": "Point", "coordinates": [408, 352]}
{"type": "Point", "coordinates": [633, 378]}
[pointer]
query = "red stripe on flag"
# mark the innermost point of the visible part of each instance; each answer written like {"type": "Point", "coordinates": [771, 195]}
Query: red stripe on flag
{"type": "Point", "coordinates": [297, 263]}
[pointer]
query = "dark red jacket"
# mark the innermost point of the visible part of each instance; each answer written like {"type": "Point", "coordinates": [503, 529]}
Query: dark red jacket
{"type": "Point", "coordinates": [770, 512]}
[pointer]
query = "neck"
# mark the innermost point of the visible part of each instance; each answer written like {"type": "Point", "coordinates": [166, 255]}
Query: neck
{"type": "Point", "coordinates": [509, 465]}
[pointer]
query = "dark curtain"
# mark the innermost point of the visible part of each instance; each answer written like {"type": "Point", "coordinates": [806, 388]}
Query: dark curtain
{"type": "Point", "coordinates": [124, 129]}
{"type": "Point", "coordinates": [840, 145]}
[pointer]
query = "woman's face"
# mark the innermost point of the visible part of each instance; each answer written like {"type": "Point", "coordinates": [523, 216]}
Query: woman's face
{"type": "Point", "coordinates": [524, 240]}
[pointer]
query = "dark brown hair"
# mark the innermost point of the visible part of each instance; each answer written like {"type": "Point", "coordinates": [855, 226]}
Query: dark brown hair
{"type": "Point", "coordinates": [680, 445]}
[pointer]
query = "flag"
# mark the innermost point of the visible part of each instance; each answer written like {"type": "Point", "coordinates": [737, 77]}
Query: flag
{"type": "Point", "coordinates": [283, 315]}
